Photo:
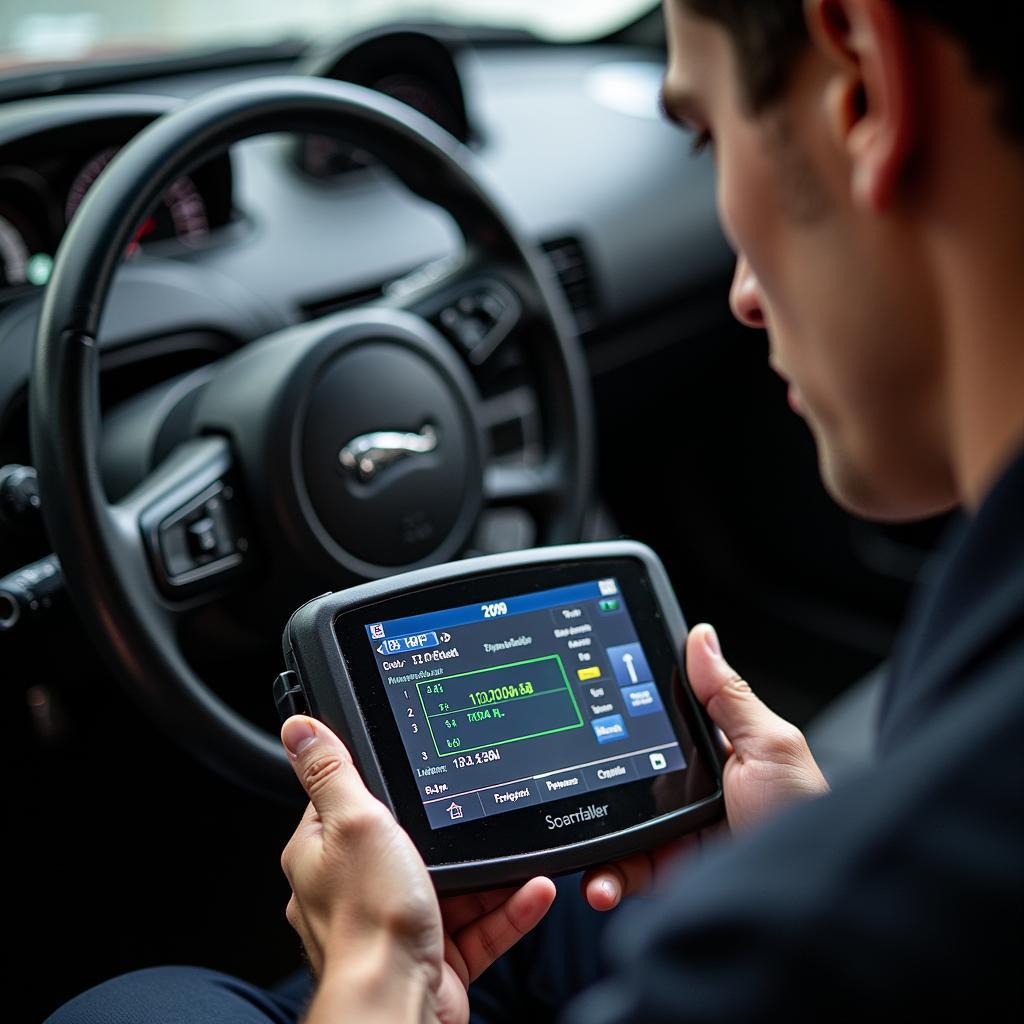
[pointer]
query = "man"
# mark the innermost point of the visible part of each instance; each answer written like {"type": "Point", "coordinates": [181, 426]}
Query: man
{"type": "Point", "coordinates": [870, 160]}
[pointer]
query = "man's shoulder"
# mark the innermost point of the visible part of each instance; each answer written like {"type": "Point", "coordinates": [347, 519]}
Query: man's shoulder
{"type": "Point", "coordinates": [901, 888]}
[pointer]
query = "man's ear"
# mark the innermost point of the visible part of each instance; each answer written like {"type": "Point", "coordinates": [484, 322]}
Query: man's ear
{"type": "Point", "coordinates": [872, 97]}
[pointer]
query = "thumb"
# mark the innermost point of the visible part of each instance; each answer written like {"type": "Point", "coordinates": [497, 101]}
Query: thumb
{"type": "Point", "coordinates": [727, 697]}
{"type": "Point", "coordinates": [322, 763]}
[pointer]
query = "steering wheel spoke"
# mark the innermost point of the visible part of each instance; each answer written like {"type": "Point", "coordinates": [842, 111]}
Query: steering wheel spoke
{"type": "Point", "coordinates": [189, 517]}
{"type": "Point", "coordinates": [473, 302]}
{"type": "Point", "coordinates": [535, 488]}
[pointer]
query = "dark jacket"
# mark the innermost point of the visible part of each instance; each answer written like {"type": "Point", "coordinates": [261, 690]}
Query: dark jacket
{"type": "Point", "coordinates": [902, 889]}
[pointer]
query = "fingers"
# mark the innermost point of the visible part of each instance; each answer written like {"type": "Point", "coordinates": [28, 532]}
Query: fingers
{"type": "Point", "coordinates": [323, 765]}
{"type": "Point", "coordinates": [458, 911]}
{"type": "Point", "coordinates": [604, 887]}
{"type": "Point", "coordinates": [729, 700]}
{"type": "Point", "coordinates": [484, 940]}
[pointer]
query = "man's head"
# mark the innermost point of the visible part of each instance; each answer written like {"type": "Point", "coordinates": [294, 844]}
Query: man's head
{"type": "Point", "coordinates": [769, 35]}
{"type": "Point", "coordinates": [866, 150]}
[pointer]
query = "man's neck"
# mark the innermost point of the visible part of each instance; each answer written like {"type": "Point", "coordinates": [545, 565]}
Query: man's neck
{"type": "Point", "coordinates": [977, 249]}
{"type": "Point", "coordinates": [985, 369]}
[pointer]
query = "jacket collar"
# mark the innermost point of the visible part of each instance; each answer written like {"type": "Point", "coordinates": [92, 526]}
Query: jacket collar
{"type": "Point", "coordinates": [973, 607]}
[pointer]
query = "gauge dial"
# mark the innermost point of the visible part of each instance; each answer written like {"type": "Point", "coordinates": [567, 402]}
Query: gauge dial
{"type": "Point", "coordinates": [14, 255]}
{"type": "Point", "coordinates": [181, 212]}
{"type": "Point", "coordinates": [24, 252]}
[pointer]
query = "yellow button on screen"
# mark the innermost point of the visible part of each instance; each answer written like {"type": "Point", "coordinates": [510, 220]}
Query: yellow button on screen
{"type": "Point", "coordinates": [589, 673]}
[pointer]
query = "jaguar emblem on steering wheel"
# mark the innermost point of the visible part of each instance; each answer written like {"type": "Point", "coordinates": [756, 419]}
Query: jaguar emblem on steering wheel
{"type": "Point", "coordinates": [368, 454]}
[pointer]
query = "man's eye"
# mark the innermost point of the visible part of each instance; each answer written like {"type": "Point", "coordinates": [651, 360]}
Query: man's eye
{"type": "Point", "coordinates": [700, 141]}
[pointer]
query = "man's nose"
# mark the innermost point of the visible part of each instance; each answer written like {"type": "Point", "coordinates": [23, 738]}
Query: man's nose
{"type": "Point", "coordinates": [745, 296]}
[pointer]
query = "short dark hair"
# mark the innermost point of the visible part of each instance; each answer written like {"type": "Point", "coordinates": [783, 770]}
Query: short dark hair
{"type": "Point", "coordinates": [769, 36]}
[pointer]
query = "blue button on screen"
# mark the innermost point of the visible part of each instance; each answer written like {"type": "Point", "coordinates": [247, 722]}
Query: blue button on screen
{"type": "Point", "coordinates": [642, 700]}
{"type": "Point", "coordinates": [629, 664]}
{"type": "Point", "coordinates": [609, 729]}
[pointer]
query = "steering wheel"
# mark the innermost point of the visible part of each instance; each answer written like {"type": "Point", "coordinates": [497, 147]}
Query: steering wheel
{"type": "Point", "coordinates": [330, 452]}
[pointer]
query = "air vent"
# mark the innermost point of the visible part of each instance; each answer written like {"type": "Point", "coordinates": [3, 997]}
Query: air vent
{"type": "Point", "coordinates": [346, 300]}
{"type": "Point", "coordinates": [570, 264]}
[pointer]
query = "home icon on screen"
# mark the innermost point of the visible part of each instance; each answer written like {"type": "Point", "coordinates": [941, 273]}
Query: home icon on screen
{"type": "Point", "coordinates": [454, 811]}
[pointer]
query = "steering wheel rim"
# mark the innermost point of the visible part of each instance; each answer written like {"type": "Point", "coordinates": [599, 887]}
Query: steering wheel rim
{"type": "Point", "coordinates": [115, 593]}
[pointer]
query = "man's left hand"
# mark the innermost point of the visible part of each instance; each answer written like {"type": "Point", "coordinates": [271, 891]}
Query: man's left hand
{"type": "Point", "coordinates": [379, 942]}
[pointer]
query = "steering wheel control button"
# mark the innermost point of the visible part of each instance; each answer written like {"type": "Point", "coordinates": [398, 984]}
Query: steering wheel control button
{"type": "Point", "coordinates": [19, 497]}
{"type": "Point", "coordinates": [202, 538]}
{"type": "Point", "coordinates": [481, 319]}
{"type": "Point", "coordinates": [388, 451]}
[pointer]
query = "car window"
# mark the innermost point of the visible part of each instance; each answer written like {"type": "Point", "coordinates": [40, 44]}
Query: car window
{"type": "Point", "coordinates": [108, 28]}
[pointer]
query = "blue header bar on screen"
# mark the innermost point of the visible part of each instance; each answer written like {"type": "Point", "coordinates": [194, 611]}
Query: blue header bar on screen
{"type": "Point", "coordinates": [499, 608]}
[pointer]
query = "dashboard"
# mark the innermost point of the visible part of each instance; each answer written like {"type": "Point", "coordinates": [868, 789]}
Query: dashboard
{"type": "Point", "coordinates": [284, 228]}
{"type": "Point", "coordinates": [560, 174]}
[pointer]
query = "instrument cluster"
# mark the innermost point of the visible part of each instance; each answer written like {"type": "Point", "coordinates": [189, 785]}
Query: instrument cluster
{"type": "Point", "coordinates": [414, 67]}
{"type": "Point", "coordinates": [44, 181]}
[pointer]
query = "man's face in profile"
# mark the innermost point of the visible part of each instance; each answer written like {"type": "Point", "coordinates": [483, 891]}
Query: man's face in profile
{"type": "Point", "coordinates": [835, 284]}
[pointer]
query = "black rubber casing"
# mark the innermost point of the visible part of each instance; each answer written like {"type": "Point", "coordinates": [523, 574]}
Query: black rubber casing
{"type": "Point", "coordinates": [326, 647]}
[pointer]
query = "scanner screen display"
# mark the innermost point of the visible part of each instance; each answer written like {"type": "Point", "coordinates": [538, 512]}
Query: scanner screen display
{"type": "Point", "coordinates": [522, 700]}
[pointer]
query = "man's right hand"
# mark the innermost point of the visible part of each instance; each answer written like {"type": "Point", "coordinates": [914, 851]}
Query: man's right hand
{"type": "Point", "coordinates": [769, 766]}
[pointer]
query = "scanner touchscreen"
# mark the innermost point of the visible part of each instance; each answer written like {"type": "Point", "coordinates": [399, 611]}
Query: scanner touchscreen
{"type": "Point", "coordinates": [522, 700]}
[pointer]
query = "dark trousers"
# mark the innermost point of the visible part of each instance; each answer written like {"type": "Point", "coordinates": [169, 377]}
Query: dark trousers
{"type": "Point", "coordinates": [532, 982]}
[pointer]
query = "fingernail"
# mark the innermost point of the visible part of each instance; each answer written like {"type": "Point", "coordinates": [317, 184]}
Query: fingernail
{"type": "Point", "coordinates": [711, 639]}
{"type": "Point", "coordinates": [296, 735]}
{"type": "Point", "coordinates": [609, 889]}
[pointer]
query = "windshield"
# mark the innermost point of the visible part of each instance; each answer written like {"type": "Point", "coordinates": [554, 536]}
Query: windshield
{"type": "Point", "coordinates": [65, 30]}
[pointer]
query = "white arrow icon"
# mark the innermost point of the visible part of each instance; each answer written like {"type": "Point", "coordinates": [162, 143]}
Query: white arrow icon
{"type": "Point", "coordinates": [445, 637]}
{"type": "Point", "coordinates": [380, 650]}
{"type": "Point", "coordinates": [627, 660]}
